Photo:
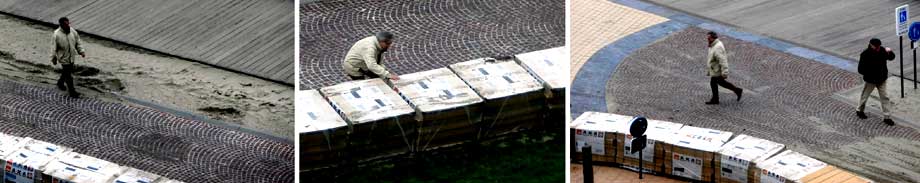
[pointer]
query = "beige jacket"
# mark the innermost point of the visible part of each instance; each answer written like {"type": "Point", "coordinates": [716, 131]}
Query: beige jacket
{"type": "Point", "coordinates": [363, 56]}
{"type": "Point", "coordinates": [717, 60]}
{"type": "Point", "coordinates": [66, 46]}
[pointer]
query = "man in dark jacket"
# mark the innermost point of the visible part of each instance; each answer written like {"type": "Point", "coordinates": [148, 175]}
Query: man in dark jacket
{"type": "Point", "coordinates": [874, 68]}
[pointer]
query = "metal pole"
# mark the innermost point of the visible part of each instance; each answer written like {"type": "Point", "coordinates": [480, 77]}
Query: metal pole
{"type": "Point", "coordinates": [640, 164]}
{"type": "Point", "coordinates": [901, 56]}
{"type": "Point", "coordinates": [586, 164]}
{"type": "Point", "coordinates": [915, 67]}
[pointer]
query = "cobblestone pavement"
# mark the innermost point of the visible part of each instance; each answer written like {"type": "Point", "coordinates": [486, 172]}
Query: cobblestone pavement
{"type": "Point", "coordinates": [615, 175]}
{"type": "Point", "coordinates": [596, 23]}
{"type": "Point", "coordinates": [787, 99]}
{"type": "Point", "coordinates": [429, 34]}
{"type": "Point", "coordinates": [143, 138]}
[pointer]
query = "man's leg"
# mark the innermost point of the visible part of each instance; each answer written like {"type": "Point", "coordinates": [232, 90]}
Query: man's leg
{"type": "Point", "coordinates": [714, 85]}
{"type": "Point", "coordinates": [355, 78]}
{"type": "Point", "coordinates": [860, 109]}
{"type": "Point", "coordinates": [66, 75]}
{"type": "Point", "coordinates": [883, 98]}
{"type": "Point", "coordinates": [60, 82]}
{"type": "Point", "coordinates": [722, 82]}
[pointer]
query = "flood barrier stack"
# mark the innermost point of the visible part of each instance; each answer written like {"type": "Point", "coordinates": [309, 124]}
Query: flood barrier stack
{"type": "Point", "coordinates": [701, 154]}
{"type": "Point", "coordinates": [472, 101]}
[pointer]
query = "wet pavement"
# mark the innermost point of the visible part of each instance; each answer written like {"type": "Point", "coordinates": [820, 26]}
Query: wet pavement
{"type": "Point", "coordinates": [143, 138]}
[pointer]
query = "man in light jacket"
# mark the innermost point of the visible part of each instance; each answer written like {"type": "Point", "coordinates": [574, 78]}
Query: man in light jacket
{"type": "Point", "coordinates": [873, 66]}
{"type": "Point", "coordinates": [363, 60]}
{"type": "Point", "coordinates": [717, 61]}
{"type": "Point", "coordinates": [67, 46]}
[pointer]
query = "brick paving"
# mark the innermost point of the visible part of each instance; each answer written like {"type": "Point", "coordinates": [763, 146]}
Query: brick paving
{"type": "Point", "coordinates": [615, 175]}
{"type": "Point", "coordinates": [787, 99]}
{"type": "Point", "coordinates": [429, 34]}
{"type": "Point", "coordinates": [143, 138]}
{"type": "Point", "coordinates": [596, 23]}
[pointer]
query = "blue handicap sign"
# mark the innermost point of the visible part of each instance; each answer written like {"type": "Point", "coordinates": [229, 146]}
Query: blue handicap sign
{"type": "Point", "coordinates": [914, 31]}
{"type": "Point", "coordinates": [902, 16]}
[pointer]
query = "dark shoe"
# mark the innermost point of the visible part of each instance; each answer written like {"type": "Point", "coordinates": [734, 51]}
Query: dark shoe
{"type": "Point", "coordinates": [712, 102]}
{"type": "Point", "coordinates": [888, 122]}
{"type": "Point", "coordinates": [739, 92]}
{"type": "Point", "coordinates": [861, 115]}
{"type": "Point", "coordinates": [74, 95]}
{"type": "Point", "coordinates": [62, 87]}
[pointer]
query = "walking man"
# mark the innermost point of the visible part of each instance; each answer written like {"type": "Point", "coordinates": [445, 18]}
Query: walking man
{"type": "Point", "coordinates": [363, 60]}
{"type": "Point", "coordinates": [717, 61]}
{"type": "Point", "coordinates": [874, 68]}
{"type": "Point", "coordinates": [67, 46]}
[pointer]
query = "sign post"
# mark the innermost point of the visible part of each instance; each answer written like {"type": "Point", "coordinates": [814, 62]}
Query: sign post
{"type": "Point", "coordinates": [901, 16]}
{"type": "Point", "coordinates": [914, 35]}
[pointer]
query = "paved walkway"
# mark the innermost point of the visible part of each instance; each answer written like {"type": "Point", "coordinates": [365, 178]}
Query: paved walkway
{"type": "Point", "coordinates": [658, 72]}
{"type": "Point", "coordinates": [252, 37]}
{"type": "Point", "coordinates": [841, 28]}
{"type": "Point", "coordinates": [596, 23]}
{"type": "Point", "coordinates": [615, 175]}
{"type": "Point", "coordinates": [430, 34]}
{"type": "Point", "coordinates": [143, 138]}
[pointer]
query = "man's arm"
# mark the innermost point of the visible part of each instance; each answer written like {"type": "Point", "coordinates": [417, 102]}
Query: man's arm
{"type": "Point", "coordinates": [723, 61]}
{"type": "Point", "coordinates": [370, 59]}
{"type": "Point", "coordinates": [78, 43]}
{"type": "Point", "coordinates": [54, 48]}
{"type": "Point", "coordinates": [889, 55]}
{"type": "Point", "coordinates": [859, 67]}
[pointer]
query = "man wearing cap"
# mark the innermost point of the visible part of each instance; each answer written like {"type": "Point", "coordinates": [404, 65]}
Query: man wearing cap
{"type": "Point", "coordinates": [873, 66]}
{"type": "Point", "coordinates": [717, 69]}
{"type": "Point", "coordinates": [67, 46]}
{"type": "Point", "coordinates": [363, 60]}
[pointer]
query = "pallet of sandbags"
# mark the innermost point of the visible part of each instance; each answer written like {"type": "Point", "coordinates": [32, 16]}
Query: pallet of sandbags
{"type": "Point", "coordinates": [25, 164]}
{"type": "Point", "coordinates": [322, 131]}
{"type": "Point", "coordinates": [740, 157]}
{"type": "Point", "coordinates": [548, 67]}
{"type": "Point", "coordinates": [448, 111]}
{"type": "Point", "coordinates": [694, 153]}
{"type": "Point", "coordinates": [514, 100]}
{"type": "Point", "coordinates": [790, 167]}
{"type": "Point", "coordinates": [8, 144]}
{"type": "Point", "coordinates": [132, 175]}
{"type": "Point", "coordinates": [658, 134]}
{"type": "Point", "coordinates": [380, 120]}
{"type": "Point", "coordinates": [598, 130]}
{"type": "Point", "coordinates": [75, 167]}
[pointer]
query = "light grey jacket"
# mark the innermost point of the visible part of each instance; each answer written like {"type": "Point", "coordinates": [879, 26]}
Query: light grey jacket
{"type": "Point", "coordinates": [363, 56]}
{"type": "Point", "coordinates": [66, 46]}
{"type": "Point", "coordinates": [717, 60]}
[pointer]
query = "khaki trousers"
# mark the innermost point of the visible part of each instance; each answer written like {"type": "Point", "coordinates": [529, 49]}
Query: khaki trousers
{"type": "Point", "coordinates": [882, 93]}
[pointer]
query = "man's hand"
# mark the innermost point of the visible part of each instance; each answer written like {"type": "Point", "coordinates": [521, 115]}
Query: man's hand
{"type": "Point", "coordinates": [394, 77]}
{"type": "Point", "coordinates": [887, 49]}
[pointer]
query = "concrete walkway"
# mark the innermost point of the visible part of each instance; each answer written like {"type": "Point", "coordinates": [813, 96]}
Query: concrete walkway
{"type": "Point", "coordinates": [252, 37]}
{"type": "Point", "coordinates": [657, 72]}
{"type": "Point", "coordinates": [841, 28]}
{"type": "Point", "coordinates": [143, 138]}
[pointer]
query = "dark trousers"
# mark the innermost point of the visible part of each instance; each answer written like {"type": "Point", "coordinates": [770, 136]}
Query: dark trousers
{"type": "Point", "coordinates": [67, 78]}
{"type": "Point", "coordinates": [715, 82]}
{"type": "Point", "coordinates": [367, 75]}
